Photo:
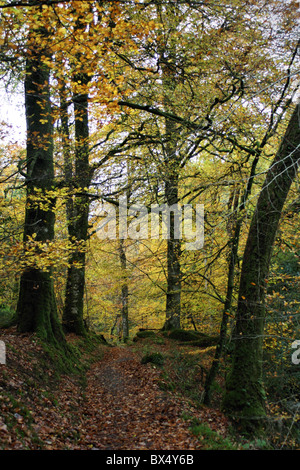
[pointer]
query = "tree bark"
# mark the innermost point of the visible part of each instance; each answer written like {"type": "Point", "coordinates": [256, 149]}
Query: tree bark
{"type": "Point", "coordinates": [244, 399]}
{"type": "Point", "coordinates": [73, 313]}
{"type": "Point", "coordinates": [66, 149]}
{"type": "Point", "coordinates": [124, 292]}
{"type": "Point", "coordinates": [173, 297]}
{"type": "Point", "coordinates": [170, 172]}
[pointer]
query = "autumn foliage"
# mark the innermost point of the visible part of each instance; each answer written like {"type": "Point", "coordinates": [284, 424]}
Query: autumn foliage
{"type": "Point", "coordinates": [176, 103]}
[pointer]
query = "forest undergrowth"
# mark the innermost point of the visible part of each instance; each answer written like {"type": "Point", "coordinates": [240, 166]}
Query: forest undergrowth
{"type": "Point", "coordinates": [144, 395]}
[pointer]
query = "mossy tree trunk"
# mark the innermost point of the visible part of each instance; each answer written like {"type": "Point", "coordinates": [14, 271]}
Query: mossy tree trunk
{"type": "Point", "coordinates": [68, 155]}
{"type": "Point", "coordinates": [36, 308]}
{"type": "Point", "coordinates": [245, 397]}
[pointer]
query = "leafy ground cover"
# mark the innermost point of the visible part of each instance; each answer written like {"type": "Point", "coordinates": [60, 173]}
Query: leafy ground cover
{"type": "Point", "coordinates": [112, 399]}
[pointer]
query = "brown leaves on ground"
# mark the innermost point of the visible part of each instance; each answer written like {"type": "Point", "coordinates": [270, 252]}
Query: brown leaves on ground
{"type": "Point", "coordinates": [125, 409]}
{"type": "Point", "coordinates": [121, 406]}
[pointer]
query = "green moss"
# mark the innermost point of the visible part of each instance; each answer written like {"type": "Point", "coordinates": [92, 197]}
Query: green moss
{"type": "Point", "coordinates": [155, 358]}
{"type": "Point", "coordinates": [211, 440]}
{"type": "Point", "coordinates": [244, 403]}
{"type": "Point", "coordinates": [193, 338]}
{"type": "Point", "coordinates": [166, 386]}
{"type": "Point", "coordinates": [158, 340]}
{"type": "Point", "coordinates": [70, 359]}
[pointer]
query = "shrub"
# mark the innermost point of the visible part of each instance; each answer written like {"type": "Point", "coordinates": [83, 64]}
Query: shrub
{"type": "Point", "coordinates": [6, 317]}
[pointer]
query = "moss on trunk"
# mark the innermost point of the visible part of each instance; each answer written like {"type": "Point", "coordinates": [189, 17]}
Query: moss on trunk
{"type": "Point", "coordinates": [245, 399]}
{"type": "Point", "coordinates": [36, 308]}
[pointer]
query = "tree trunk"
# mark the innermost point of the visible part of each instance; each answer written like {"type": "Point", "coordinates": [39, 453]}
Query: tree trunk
{"type": "Point", "coordinates": [173, 300]}
{"type": "Point", "coordinates": [78, 227]}
{"type": "Point", "coordinates": [36, 309]}
{"type": "Point", "coordinates": [73, 313]}
{"type": "Point", "coordinates": [124, 292]}
{"type": "Point", "coordinates": [245, 397]}
{"type": "Point", "coordinates": [67, 150]}
{"type": "Point", "coordinates": [234, 246]}
{"type": "Point", "coordinates": [171, 170]}
{"type": "Point", "coordinates": [227, 308]}
{"type": "Point", "coordinates": [170, 175]}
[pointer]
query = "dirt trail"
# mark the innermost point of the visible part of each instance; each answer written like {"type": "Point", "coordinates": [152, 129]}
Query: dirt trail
{"type": "Point", "coordinates": [125, 409]}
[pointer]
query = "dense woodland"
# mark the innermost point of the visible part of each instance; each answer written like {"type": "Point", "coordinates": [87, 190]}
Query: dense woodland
{"type": "Point", "coordinates": [158, 102]}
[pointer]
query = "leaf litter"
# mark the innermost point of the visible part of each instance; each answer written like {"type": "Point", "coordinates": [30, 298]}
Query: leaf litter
{"type": "Point", "coordinates": [120, 407]}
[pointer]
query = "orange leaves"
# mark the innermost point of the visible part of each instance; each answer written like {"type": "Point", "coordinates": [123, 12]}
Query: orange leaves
{"type": "Point", "coordinates": [229, 314]}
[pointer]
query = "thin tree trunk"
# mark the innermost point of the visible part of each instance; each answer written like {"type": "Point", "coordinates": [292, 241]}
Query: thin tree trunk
{"type": "Point", "coordinates": [173, 300]}
{"type": "Point", "coordinates": [124, 292]}
{"type": "Point", "coordinates": [234, 245]}
{"type": "Point", "coordinates": [244, 399]}
{"type": "Point", "coordinates": [234, 242]}
{"type": "Point", "coordinates": [171, 175]}
{"type": "Point", "coordinates": [116, 325]}
{"type": "Point", "coordinates": [67, 151]}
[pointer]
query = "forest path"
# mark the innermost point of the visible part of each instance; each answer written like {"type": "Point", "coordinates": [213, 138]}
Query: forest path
{"type": "Point", "coordinates": [125, 409]}
{"type": "Point", "coordinates": [115, 404]}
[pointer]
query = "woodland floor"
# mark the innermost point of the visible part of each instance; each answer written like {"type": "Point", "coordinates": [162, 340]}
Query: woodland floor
{"type": "Point", "coordinates": [118, 403]}
{"type": "Point", "coordinates": [125, 408]}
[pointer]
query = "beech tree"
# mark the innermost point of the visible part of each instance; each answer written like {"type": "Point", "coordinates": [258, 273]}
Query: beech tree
{"type": "Point", "coordinates": [90, 66]}
{"type": "Point", "coordinates": [78, 216]}
{"type": "Point", "coordinates": [193, 91]}
{"type": "Point", "coordinates": [36, 309]}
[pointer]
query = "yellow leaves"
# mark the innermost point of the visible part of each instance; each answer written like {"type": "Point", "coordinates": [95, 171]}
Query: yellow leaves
{"type": "Point", "coordinates": [81, 89]}
{"type": "Point", "coordinates": [152, 25]}
{"type": "Point", "coordinates": [43, 255]}
{"type": "Point", "coordinates": [61, 30]}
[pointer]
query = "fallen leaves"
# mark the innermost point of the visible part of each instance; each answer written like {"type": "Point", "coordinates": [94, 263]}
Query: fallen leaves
{"type": "Point", "coordinates": [121, 406]}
